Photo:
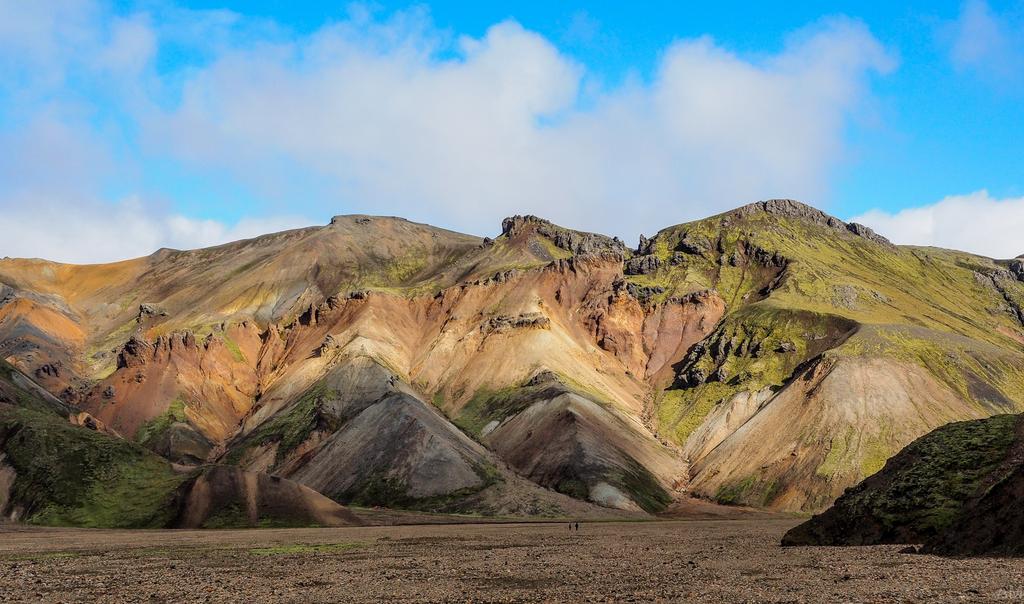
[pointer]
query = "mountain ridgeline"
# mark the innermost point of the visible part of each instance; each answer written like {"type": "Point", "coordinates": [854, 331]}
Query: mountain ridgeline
{"type": "Point", "coordinates": [771, 356]}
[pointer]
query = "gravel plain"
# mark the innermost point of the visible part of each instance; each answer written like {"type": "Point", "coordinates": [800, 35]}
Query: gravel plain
{"type": "Point", "coordinates": [663, 561]}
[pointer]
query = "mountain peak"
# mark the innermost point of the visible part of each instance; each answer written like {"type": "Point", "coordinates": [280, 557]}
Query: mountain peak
{"type": "Point", "coordinates": [576, 242]}
{"type": "Point", "coordinates": [363, 218]}
{"type": "Point", "coordinates": [790, 208]}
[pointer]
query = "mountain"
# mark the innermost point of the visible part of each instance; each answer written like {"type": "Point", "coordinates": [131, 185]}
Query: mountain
{"type": "Point", "coordinates": [770, 356]}
{"type": "Point", "coordinates": [955, 490]}
{"type": "Point", "coordinates": [61, 472]}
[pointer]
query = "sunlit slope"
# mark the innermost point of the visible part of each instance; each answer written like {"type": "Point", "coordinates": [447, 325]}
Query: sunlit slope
{"type": "Point", "coordinates": [837, 349]}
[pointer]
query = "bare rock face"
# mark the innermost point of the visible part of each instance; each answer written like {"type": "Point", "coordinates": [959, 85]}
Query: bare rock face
{"type": "Point", "coordinates": [566, 442]}
{"type": "Point", "coordinates": [136, 352]}
{"type": "Point", "coordinates": [364, 439]}
{"type": "Point", "coordinates": [49, 370]}
{"type": "Point", "coordinates": [396, 452]}
{"type": "Point", "coordinates": [149, 311]}
{"type": "Point", "coordinates": [789, 208]}
{"type": "Point", "coordinates": [1017, 268]}
{"type": "Point", "coordinates": [182, 444]}
{"type": "Point", "coordinates": [643, 293]}
{"type": "Point", "coordinates": [642, 265]}
{"type": "Point", "coordinates": [501, 323]}
{"type": "Point", "coordinates": [863, 231]}
{"type": "Point", "coordinates": [576, 242]}
{"type": "Point", "coordinates": [86, 420]}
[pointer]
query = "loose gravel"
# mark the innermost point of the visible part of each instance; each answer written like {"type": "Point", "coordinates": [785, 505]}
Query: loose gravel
{"type": "Point", "coordinates": [668, 561]}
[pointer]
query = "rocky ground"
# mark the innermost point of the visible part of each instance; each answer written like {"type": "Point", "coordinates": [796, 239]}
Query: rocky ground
{"type": "Point", "coordinates": [710, 560]}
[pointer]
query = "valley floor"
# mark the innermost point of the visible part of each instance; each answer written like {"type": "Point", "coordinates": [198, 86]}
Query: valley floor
{"type": "Point", "coordinates": [706, 560]}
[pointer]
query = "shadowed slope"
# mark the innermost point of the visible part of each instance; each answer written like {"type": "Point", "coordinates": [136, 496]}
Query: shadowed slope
{"type": "Point", "coordinates": [956, 490]}
{"type": "Point", "coordinates": [56, 473]}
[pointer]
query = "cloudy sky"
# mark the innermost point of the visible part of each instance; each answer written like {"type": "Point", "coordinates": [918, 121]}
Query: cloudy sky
{"type": "Point", "coordinates": [130, 126]}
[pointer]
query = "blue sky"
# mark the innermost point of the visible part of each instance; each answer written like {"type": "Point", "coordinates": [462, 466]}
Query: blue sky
{"type": "Point", "coordinates": [129, 126]}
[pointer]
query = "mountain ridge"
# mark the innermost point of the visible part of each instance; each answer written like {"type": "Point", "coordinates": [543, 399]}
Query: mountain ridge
{"type": "Point", "coordinates": [714, 360]}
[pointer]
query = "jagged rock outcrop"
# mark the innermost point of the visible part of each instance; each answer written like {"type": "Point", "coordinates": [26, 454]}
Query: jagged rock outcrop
{"type": "Point", "coordinates": [149, 311]}
{"type": "Point", "coordinates": [789, 208]}
{"type": "Point", "coordinates": [533, 320]}
{"type": "Point", "coordinates": [863, 231]}
{"type": "Point", "coordinates": [576, 242]}
{"type": "Point", "coordinates": [642, 265]}
{"type": "Point", "coordinates": [1017, 268]}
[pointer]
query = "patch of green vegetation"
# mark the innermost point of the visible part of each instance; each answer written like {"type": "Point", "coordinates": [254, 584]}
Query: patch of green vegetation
{"type": "Point", "coordinates": [293, 426]}
{"type": "Point", "coordinates": [875, 455]}
{"type": "Point", "coordinates": [228, 516]}
{"type": "Point", "coordinates": [43, 556]}
{"type": "Point", "coordinates": [381, 490]}
{"type": "Point", "coordinates": [488, 405]}
{"type": "Point", "coordinates": [836, 456]}
{"type": "Point", "coordinates": [105, 367]}
{"type": "Point", "coordinates": [152, 430]}
{"type": "Point", "coordinates": [941, 290]}
{"type": "Point", "coordinates": [733, 493]}
{"type": "Point", "coordinates": [685, 410]}
{"type": "Point", "coordinates": [306, 548]}
{"type": "Point", "coordinates": [771, 491]}
{"type": "Point", "coordinates": [858, 453]}
{"type": "Point", "coordinates": [72, 476]}
{"type": "Point", "coordinates": [573, 487]}
{"type": "Point", "coordinates": [393, 492]}
{"type": "Point", "coordinates": [494, 405]}
{"type": "Point", "coordinates": [233, 348]}
{"type": "Point", "coordinates": [584, 390]}
{"type": "Point", "coordinates": [990, 377]}
{"type": "Point", "coordinates": [924, 487]}
{"type": "Point", "coordinates": [757, 347]}
{"type": "Point", "coordinates": [399, 270]}
{"type": "Point", "coordinates": [661, 250]}
{"type": "Point", "coordinates": [235, 515]}
{"type": "Point", "coordinates": [553, 250]}
{"type": "Point", "coordinates": [642, 487]}
{"type": "Point", "coordinates": [23, 398]}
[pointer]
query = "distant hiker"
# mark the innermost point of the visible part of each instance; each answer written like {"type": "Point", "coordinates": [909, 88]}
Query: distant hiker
{"type": "Point", "coordinates": [577, 527]}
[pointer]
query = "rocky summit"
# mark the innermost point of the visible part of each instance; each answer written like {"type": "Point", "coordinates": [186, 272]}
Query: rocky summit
{"type": "Point", "coordinates": [772, 356]}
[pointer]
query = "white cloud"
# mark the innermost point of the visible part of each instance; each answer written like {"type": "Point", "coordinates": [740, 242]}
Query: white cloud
{"type": "Point", "coordinates": [87, 232]}
{"type": "Point", "coordinates": [499, 129]}
{"type": "Point", "coordinates": [399, 118]}
{"type": "Point", "coordinates": [131, 47]}
{"type": "Point", "coordinates": [987, 43]}
{"type": "Point", "coordinates": [975, 222]}
{"type": "Point", "coordinates": [52, 206]}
